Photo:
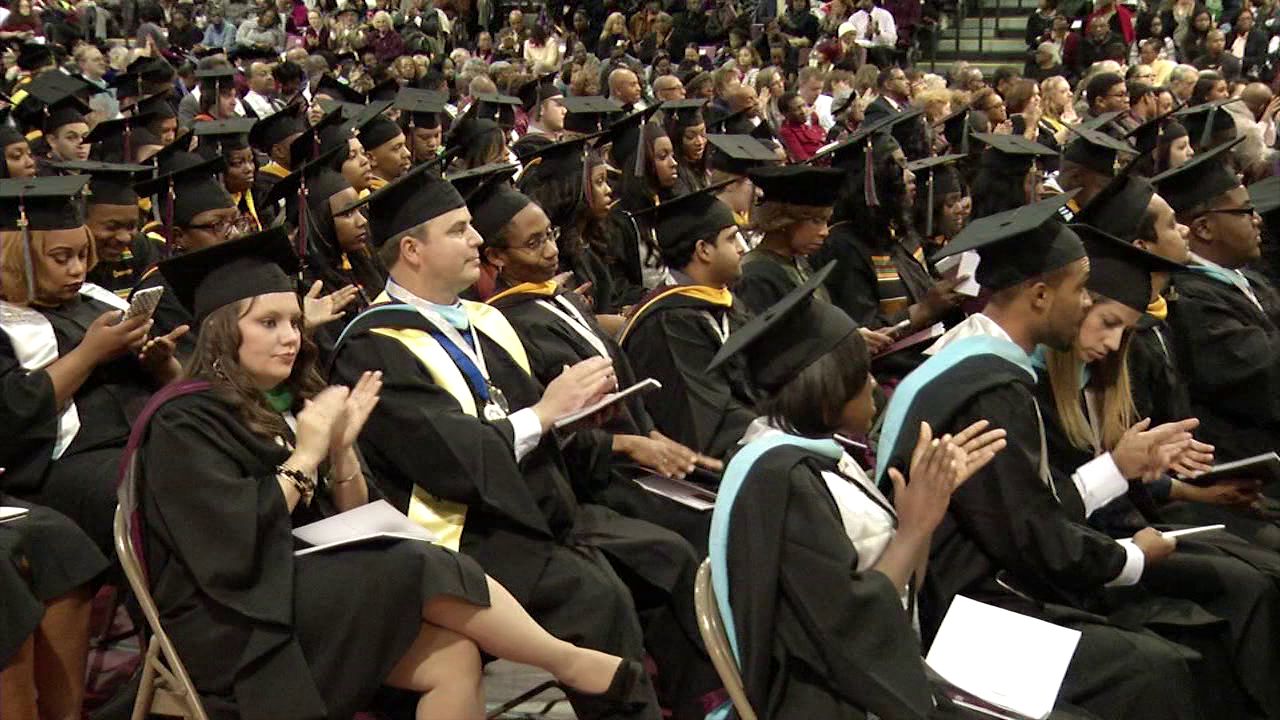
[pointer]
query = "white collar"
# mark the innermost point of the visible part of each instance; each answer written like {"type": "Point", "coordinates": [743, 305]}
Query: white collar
{"type": "Point", "coordinates": [974, 325]}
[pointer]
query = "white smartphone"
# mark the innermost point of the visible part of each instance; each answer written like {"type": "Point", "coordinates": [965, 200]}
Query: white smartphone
{"type": "Point", "coordinates": [143, 304]}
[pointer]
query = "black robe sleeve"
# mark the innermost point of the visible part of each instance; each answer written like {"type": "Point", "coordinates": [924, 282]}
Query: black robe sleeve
{"type": "Point", "coordinates": [693, 407]}
{"type": "Point", "coordinates": [853, 285]}
{"type": "Point", "coordinates": [763, 283]}
{"type": "Point", "coordinates": [30, 417]}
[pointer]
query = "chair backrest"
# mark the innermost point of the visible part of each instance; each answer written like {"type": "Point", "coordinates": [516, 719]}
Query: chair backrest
{"type": "Point", "coordinates": [128, 556]}
{"type": "Point", "coordinates": [711, 627]}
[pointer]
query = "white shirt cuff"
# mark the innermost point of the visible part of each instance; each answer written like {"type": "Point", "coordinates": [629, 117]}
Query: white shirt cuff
{"type": "Point", "coordinates": [526, 431]}
{"type": "Point", "coordinates": [1099, 482]}
{"type": "Point", "coordinates": [1134, 563]}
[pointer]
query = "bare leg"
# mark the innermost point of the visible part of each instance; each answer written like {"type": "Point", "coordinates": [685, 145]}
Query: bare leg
{"type": "Point", "coordinates": [445, 667]}
{"type": "Point", "coordinates": [18, 684]}
{"type": "Point", "coordinates": [505, 630]}
{"type": "Point", "coordinates": [61, 652]}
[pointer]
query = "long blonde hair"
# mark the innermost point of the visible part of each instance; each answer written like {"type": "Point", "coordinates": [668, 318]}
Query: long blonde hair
{"type": "Point", "coordinates": [1110, 376]}
{"type": "Point", "coordinates": [13, 268]}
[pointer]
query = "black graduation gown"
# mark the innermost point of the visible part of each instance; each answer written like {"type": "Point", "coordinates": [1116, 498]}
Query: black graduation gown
{"type": "Point", "coordinates": [1158, 391]}
{"type": "Point", "coordinates": [264, 180]}
{"type": "Point", "coordinates": [565, 562]}
{"type": "Point", "coordinates": [672, 340]}
{"type": "Point", "coordinates": [1008, 541]}
{"type": "Point", "coordinates": [856, 287]}
{"type": "Point", "coordinates": [264, 634]}
{"type": "Point", "coordinates": [597, 475]}
{"type": "Point", "coordinates": [589, 266]}
{"type": "Point", "coordinates": [1230, 578]}
{"type": "Point", "coordinates": [120, 276]}
{"type": "Point", "coordinates": [622, 233]}
{"type": "Point", "coordinates": [169, 314]}
{"type": "Point", "coordinates": [767, 277]}
{"type": "Point", "coordinates": [1228, 352]}
{"type": "Point", "coordinates": [81, 482]}
{"type": "Point", "coordinates": [43, 556]}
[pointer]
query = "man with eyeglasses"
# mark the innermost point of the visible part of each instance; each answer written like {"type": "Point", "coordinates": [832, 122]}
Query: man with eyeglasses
{"type": "Point", "coordinates": [1226, 318]}
{"type": "Point", "coordinates": [1105, 93]}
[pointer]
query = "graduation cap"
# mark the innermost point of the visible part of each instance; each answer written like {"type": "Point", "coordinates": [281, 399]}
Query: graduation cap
{"type": "Point", "coordinates": [1119, 270]}
{"type": "Point", "coordinates": [309, 182]}
{"type": "Point", "coordinates": [908, 128]}
{"type": "Point", "coordinates": [251, 52]}
{"type": "Point", "coordinates": [1011, 153]}
{"type": "Point", "coordinates": [681, 222]}
{"type": "Point", "coordinates": [1098, 122]}
{"type": "Point", "coordinates": [626, 139]}
{"type": "Point", "coordinates": [730, 123]}
{"type": "Point", "coordinates": [1265, 195]}
{"type": "Point", "coordinates": [1020, 244]}
{"type": "Point", "coordinates": [736, 154]}
{"type": "Point", "coordinates": [219, 137]}
{"type": "Point", "coordinates": [331, 87]}
{"type": "Point", "coordinates": [33, 56]}
{"type": "Point", "coordinates": [537, 91]}
{"type": "Point", "coordinates": [109, 183]}
{"type": "Point", "coordinates": [277, 128]}
{"type": "Point", "coordinates": [383, 91]}
{"type": "Point", "coordinates": [798, 184]}
{"type": "Point", "coordinates": [1119, 208]}
{"type": "Point", "coordinates": [412, 199]}
{"type": "Point", "coordinates": [50, 87]}
{"type": "Point", "coordinates": [152, 70]}
{"type": "Point", "coordinates": [685, 113]}
{"type": "Point", "coordinates": [310, 144]}
{"type": "Point", "coordinates": [1201, 179]}
{"type": "Point", "coordinates": [126, 85]}
{"type": "Point", "coordinates": [1146, 136]}
{"type": "Point", "coordinates": [164, 159]}
{"type": "Point", "coordinates": [214, 79]}
{"type": "Point", "coordinates": [189, 187]}
{"type": "Point", "coordinates": [955, 128]}
{"type": "Point", "coordinates": [419, 108]}
{"type": "Point", "coordinates": [1095, 150]}
{"type": "Point", "coordinates": [59, 94]}
{"type": "Point", "coordinates": [348, 110]}
{"type": "Point", "coordinates": [937, 177]}
{"type": "Point", "coordinates": [378, 131]}
{"type": "Point", "coordinates": [214, 277]}
{"type": "Point", "coordinates": [39, 203]}
{"type": "Point", "coordinates": [788, 336]}
{"type": "Point", "coordinates": [857, 154]}
{"type": "Point", "coordinates": [558, 160]}
{"type": "Point", "coordinates": [9, 134]}
{"type": "Point", "coordinates": [1208, 122]}
{"type": "Point", "coordinates": [119, 128]}
{"type": "Point", "coordinates": [497, 107]}
{"type": "Point", "coordinates": [158, 105]}
{"type": "Point", "coordinates": [589, 114]}
{"type": "Point", "coordinates": [490, 197]}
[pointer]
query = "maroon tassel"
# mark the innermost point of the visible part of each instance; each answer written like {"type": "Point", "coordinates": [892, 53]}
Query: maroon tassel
{"type": "Point", "coordinates": [869, 177]}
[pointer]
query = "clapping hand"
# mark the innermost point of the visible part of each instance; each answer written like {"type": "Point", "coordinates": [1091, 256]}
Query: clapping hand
{"type": "Point", "coordinates": [321, 310]}
{"type": "Point", "coordinates": [356, 410]}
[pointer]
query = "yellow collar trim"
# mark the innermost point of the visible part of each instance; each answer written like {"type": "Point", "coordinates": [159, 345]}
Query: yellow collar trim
{"type": "Point", "coordinates": [715, 296]}
{"type": "Point", "coordinates": [544, 289]}
{"type": "Point", "coordinates": [1159, 308]}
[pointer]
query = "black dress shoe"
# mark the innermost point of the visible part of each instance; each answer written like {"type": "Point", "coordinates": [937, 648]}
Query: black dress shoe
{"type": "Point", "coordinates": [630, 697]}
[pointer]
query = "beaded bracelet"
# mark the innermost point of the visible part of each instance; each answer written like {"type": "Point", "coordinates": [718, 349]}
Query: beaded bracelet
{"type": "Point", "coordinates": [305, 486]}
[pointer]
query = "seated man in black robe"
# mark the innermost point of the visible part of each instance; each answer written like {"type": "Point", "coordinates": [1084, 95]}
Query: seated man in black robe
{"type": "Point", "coordinates": [1006, 538]}
{"type": "Point", "coordinates": [1226, 319]}
{"type": "Point", "coordinates": [675, 331]}
{"type": "Point", "coordinates": [464, 444]}
{"type": "Point", "coordinates": [114, 219]}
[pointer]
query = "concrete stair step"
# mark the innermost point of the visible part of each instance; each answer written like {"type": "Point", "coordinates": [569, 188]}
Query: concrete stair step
{"type": "Point", "coordinates": [988, 45]}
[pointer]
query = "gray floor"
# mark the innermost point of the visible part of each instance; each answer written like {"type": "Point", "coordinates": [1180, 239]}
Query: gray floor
{"type": "Point", "coordinates": [504, 680]}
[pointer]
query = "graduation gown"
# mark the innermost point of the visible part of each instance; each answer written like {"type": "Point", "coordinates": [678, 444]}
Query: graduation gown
{"type": "Point", "coordinates": [265, 634]}
{"type": "Point", "coordinates": [65, 458]}
{"type": "Point", "coordinates": [264, 180]}
{"type": "Point", "coordinates": [1158, 390]}
{"type": "Point", "coordinates": [767, 277]}
{"type": "Point", "coordinates": [121, 275]}
{"type": "Point", "coordinates": [457, 474]}
{"type": "Point", "coordinates": [1224, 575]}
{"type": "Point", "coordinates": [43, 556]}
{"type": "Point", "coordinates": [1009, 540]}
{"type": "Point", "coordinates": [554, 337]}
{"type": "Point", "coordinates": [874, 286]}
{"type": "Point", "coordinates": [1228, 352]}
{"type": "Point", "coordinates": [672, 338]}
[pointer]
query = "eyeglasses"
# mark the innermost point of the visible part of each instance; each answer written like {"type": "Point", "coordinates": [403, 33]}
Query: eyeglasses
{"type": "Point", "coordinates": [222, 227]}
{"type": "Point", "coordinates": [538, 240]}
{"type": "Point", "coordinates": [1245, 210]}
{"type": "Point", "coordinates": [1123, 94]}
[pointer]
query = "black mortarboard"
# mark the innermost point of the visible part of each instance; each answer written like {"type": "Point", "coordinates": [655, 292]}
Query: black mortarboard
{"type": "Point", "coordinates": [181, 146]}
{"type": "Point", "coordinates": [1095, 150]}
{"type": "Point", "coordinates": [219, 137]}
{"type": "Point", "coordinates": [1172, 130]}
{"type": "Point", "coordinates": [383, 91]}
{"type": "Point", "coordinates": [368, 113]}
{"type": "Point", "coordinates": [788, 336]}
{"type": "Point", "coordinates": [688, 112]}
{"type": "Point", "coordinates": [537, 91]}
{"type": "Point", "coordinates": [589, 114]}
{"type": "Point", "coordinates": [936, 176]}
{"type": "Point", "coordinates": [1146, 136]}
{"type": "Point", "coordinates": [1011, 153]}
{"type": "Point", "coordinates": [1118, 270]}
{"type": "Point", "coordinates": [126, 86]}
{"type": "Point", "coordinates": [160, 105]}
{"type": "Point", "coordinates": [554, 161]}
{"type": "Point", "coordinates": [412, 199]}
{"type": "Point", "coordinates": [908, 128]}
{"type": "Point", "coordinates": [379, 131]}
{"type": "Point", "coordinates": [33, 56]}
{"type": "Point", "coordinates": [110, 130]}
{"type": "Point", "coordinates": [109, 183]}
{"type": "Point", "coordinates": [193, 184]}
{"type": "Point", "coordinates": [736, 154]}
{"type": "Point", "coordinates": [251, 52]}
{"type": "Point", "coordinates": [851, 150]}
{"type": "Point", "coordinates": [39, 203]}
{"type": "Point", "coordinates": [625, 138]}
{"type": "Point", "coordinates": [9, 134]}
{"type": "Point", "coordinates": [70, 109]}
{"type": "Point", "coordinates": [53, 86]}
{"type": "Point", "coordinates": [727, 123]}
{"type": "Point", "coordinates": [682, 221]}
{"type": "Point", "coordinates": [214, 277]}
{"type": "Point", "coordinates": [214, 79]}
{"type": "Point", "coordinates": [310, 144]}
{"type": "Point", "coordinates": [955, 128]}
{"type": "Point", "coordinates": [1020, 244]}
{"type": "Point", "coordinates": [491, 198]}
{"type": "Point", "coordinates": [1100, 122]}
{"type": "Point", "coordinates": [277, 128]}
{"type": "Point", "coordinates": [1119, 208]}
{"type": "Point", "coordinates": [420, 108]}
{"type": "Point", "coordinates": [348, 110]}
{"type": "Point", "coordinates": [335, 89]}
{"type": "Point", "coordinates": [152, 70]}
{"type": "Point", "coordinates": [322, 181]}
{"type": "Point", "coordinates": [59, 95]}
{"type": "Point", "coordinates": [798, 184]}
{"type": "Point", "coordinates": [1201, 179]}
{"type": "Point", "coordinates": [1208, 123]}
{"type": "Point", "coordinates": [497, 107]}
{"type": "Point", "coordinates": [1265, 195]}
